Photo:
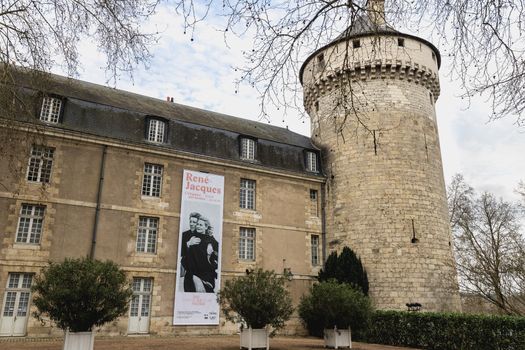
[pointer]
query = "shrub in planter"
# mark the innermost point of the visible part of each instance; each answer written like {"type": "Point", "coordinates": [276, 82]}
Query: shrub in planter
{"type": "Point", "coordinates": [257, 300]}
{"type": "Point", "coordinates": [80, 294]}
{"type": "Point", "coordinates": [331, 304]}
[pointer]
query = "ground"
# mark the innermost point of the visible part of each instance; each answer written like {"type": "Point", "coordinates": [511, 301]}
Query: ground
{"type": "Point", "coordinates": [179, 343]}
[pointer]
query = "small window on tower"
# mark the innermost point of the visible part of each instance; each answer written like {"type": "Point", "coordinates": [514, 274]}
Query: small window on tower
{"type": "Point", "coordinates": [320, 61]}
{"type": "Point", "coordinates": [317, 106]}
{"type": "Point", "coordinates": [356, 44]}
{"type": "Point", "coordinates": [401, 42]}
{"type": "Point", "coordinates": [433, 56]}
{"type": "Point", "coordinates": [431, 98]}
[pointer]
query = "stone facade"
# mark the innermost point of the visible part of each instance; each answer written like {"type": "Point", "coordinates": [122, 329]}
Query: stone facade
{"type": "Point", "coordinates": [371, 101]}
{"type": "Point", "coordinates": [283, 219]}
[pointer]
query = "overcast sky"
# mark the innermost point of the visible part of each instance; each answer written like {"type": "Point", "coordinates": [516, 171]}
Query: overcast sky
{"type": "Point", "coordinates": [200, 73]}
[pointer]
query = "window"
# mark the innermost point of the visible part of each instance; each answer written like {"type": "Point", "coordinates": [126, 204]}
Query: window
{"type": "Point", "coordinates": [40, 163]}
{"type": "Point", "coordinates": [247, 194]}
{"type": "Point", "coordinates": [433, 56]}
{"type": "Point", "coordinates": [356, 44]}
{"type": "Point", "coordinates": [317, 106]}
{"type": "Point", "coordinates": [152, 181]}
{"type": "Point", "coordinates": [156, 130]}
{"type": "Point", "coordinates": [147, 235]}
{"type": "Point", "coordinates": [311, 161]}
{"type": "Point", "coordinates": [30, 224]}
{"type": "Point", "coordinates": [320, 61]}
{"type": "Point", "coordinates": [50, 112]}
{"type": "Point", "coordinates": [314, 244]}
{"type": "Point", "coordinates": [18, 287]}
{"type": "Point", "coordinates": [247, 243]}
{"type": "Point", "coordinates": [400, 42]}
{"type": "Point", "coordinates": [313, 203]}
{"type": "Point", "coordinates": [248, 148]}
{"type": "Point", "coordinates": [141, 300]}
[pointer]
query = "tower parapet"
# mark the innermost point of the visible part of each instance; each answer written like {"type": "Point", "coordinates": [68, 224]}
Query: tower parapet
{"type": "Point", "coordinates": [371, 97]}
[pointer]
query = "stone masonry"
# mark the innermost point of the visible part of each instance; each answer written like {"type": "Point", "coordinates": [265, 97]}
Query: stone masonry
{"type": "Point", "coordinates": [371, 101]}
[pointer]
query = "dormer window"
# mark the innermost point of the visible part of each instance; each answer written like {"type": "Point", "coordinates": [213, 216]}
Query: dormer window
{"type": "Point", "coordinates": [51, 108]}
{"type": "Point", "coordinates": [156, 130]}
{"type": "Point", "coordinates": [311, 162]}
{"type": "Point", "coordinates": [248, 148]}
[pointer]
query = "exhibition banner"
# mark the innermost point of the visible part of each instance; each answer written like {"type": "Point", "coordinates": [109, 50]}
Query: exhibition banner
{"type": "Point", "coordinates": [199, 253]}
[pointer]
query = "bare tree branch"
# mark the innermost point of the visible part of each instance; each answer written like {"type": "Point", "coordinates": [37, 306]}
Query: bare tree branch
{"type": "Point", "coordinates": [489, 247]}
{"type": "Point", "coordinates": [483, 39]}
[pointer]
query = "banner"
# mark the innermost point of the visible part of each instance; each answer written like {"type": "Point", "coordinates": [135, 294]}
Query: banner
{"type": "Point", "coordinates": [199, 254]}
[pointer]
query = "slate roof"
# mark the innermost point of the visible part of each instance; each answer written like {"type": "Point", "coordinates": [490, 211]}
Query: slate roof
{"type": "Point", "coordinates": [363, 25]}
{"type": "Point", "coordinates": [93, 109]}
{"type": "Point", "coordinates": [126, 100]}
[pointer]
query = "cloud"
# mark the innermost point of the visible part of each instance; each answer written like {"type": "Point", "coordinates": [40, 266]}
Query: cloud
{"type": "Point", "coordinates": [199, 73]}
{"type": "Point", "coordinates": [490, 154]}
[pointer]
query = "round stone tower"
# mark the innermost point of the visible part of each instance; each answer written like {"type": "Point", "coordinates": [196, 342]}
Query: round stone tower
{"type": "Point", "coordinates": [371, 97]}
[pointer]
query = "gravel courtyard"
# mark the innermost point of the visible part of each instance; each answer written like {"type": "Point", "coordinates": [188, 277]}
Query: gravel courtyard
{"type": "Point", "coordinates": [180, 343]}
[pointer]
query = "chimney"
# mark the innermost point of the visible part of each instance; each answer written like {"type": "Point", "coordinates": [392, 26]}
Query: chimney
{"type": "Point", "coordinates": [169, 99]}
{"type": "Point", "coordinates": [376, 12]}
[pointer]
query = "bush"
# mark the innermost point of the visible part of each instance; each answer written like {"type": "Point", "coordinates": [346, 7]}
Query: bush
{"type": "Point", "coordinates": [332, 304]}
{"type": "Point", "coordinates": [345, 268]}
{"type": "Point", "coordinates": [257, 300]}
{"type": "Point", "coordinates": [442, 331]}
{"type": "Point", "coordinates": [79, 294]}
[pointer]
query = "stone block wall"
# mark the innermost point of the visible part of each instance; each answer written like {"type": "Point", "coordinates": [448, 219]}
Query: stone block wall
{"type": "Point", "coordinates": [282, 218]}
{"type": "Point", "coordinates": [372, 113]}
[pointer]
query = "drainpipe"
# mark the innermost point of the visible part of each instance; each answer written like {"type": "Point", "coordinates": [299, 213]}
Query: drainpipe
{"type": "Point", "coordinates": [97, 208]}
{"type": "Point", "coordinates": [323, 223]}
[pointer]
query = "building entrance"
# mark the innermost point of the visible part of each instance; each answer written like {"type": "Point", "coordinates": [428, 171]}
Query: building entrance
{"type": "Point", "coordinates": [16, 305]}
{"type": "Point", "coordinates": [140, 306]}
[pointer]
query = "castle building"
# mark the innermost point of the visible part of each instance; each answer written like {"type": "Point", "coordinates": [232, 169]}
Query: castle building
{"type": "Point", "coordinates": [371, 96]}
{"type": "Point", "coordinates": [93, 171]}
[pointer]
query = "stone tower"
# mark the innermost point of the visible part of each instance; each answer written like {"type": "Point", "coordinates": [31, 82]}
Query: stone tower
{"type": "Point", "coordinates": [371, 97]}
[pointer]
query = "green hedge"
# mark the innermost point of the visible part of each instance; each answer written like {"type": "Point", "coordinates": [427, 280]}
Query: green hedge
{"type": "Point", "coordinates": [446, 331]}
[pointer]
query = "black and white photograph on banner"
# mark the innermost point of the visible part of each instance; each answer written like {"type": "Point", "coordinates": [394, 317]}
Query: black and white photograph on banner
{"type": "Point", "coordinates": [199, 254]}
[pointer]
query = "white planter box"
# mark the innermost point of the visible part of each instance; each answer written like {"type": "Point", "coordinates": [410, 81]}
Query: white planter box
{"type": "Point", "coordinates": [254, 338]}
{"type": "Point", "coordinates": [79, 340]}
{"type": "Point", "coordinates": [337, 338]}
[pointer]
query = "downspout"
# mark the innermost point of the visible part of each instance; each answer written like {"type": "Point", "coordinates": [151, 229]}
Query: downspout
{"type": "Point", "coordinates": [323, 223]}
{"type": "Point", "coordinates": [97, 208]}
